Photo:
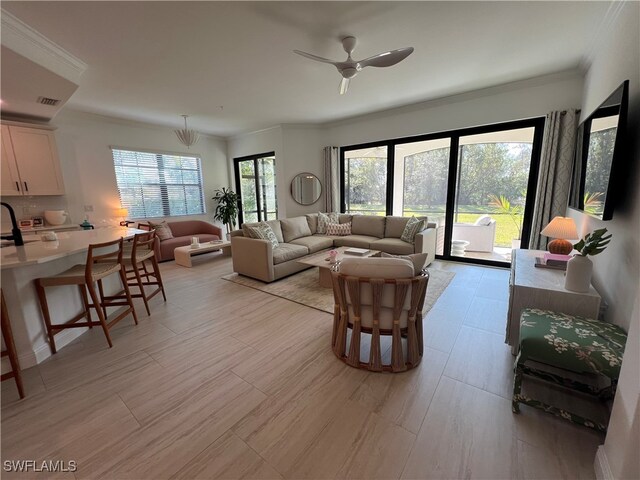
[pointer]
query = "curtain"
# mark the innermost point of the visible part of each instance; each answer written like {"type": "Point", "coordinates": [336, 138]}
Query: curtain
{"type": "Point", "coordinates": [331, 184]}
{"type": "Point", "coordinates": [554, 178]}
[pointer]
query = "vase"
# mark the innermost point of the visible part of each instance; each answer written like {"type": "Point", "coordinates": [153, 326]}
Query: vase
{"type": "Point", "coordinates": [578, 278]}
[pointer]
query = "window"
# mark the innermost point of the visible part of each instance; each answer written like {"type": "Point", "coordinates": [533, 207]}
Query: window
{"type": "Point", "coordinates": [256, 184]}
{"type": "Point", "coordinates": [157, 184]}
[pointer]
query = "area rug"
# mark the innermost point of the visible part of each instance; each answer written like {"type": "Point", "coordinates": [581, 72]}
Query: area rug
{"type": "Point", "coordinates": [303, 288]}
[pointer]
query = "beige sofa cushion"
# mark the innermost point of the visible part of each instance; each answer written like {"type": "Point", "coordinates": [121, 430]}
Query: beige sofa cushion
{"type": "Point", "coordinates": [274, 224]}
{"type": "Point", "coordinates": [358, 241]}
{"type": "Point", "coordinates": [418, 260]}
{"type": "Point", "coordinates": [314, 243]}
{"type": "Point", "coordinates": [369, 225]}
{"type": "Point", "coordinates": [312, 220]}
{"type": "Point", "coordinates": [395, 226]}
{"type": "Point", "coordinates": [295, 227]}
{"type": "Point", "coordinates": [287, 251]}
{"type": "Point", "coordinates": [344, 218]}
{"type": "Point", "coordinates": [392, 245]}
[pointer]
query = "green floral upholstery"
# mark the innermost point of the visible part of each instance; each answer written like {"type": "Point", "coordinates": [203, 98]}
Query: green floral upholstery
{"type": "Point", "coordinates": [573, 343]}
{"type": "Point", "coordinates": [570, 343]}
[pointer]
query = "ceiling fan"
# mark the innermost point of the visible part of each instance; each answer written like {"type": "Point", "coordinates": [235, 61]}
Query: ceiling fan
{"type": "Point", "coordinates": [350, 67]}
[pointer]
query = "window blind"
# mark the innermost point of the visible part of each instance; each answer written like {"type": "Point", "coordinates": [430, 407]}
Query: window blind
{"type": "Point", "coordinates": [157, 184]}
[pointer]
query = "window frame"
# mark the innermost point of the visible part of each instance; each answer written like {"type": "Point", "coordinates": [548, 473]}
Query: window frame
{"type": "Point", "coordinates": [160, 154]}
{"type": "Point", "coordinates": [260, 195]}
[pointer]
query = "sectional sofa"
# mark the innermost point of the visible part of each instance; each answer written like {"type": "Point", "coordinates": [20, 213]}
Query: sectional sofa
{"type": "Point", "coordinates": [298, 237]}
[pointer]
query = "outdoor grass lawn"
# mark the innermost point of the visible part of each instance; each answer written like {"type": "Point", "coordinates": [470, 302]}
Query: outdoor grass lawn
{"type": "Point", "coordinates": [506, 229]}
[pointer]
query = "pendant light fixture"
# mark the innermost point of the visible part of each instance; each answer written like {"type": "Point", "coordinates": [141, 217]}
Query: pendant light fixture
{"type": "Point", "coordinates": [186, 136]}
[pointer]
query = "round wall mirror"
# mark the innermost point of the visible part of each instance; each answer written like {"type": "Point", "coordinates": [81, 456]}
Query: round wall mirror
{"type": "Point", "coordinates": [306, 188]}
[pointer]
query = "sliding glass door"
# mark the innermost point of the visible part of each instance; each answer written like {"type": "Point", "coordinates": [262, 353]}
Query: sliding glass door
{"type": "Point", "coordinates": [365, 185]}
{"type": "Point", "coordinates": [256, 186]}
{"type": "Point", "coordinates": [491, 194]}
{"type": "Point", "coordinates": [477, 184]}
{"type": "Point", "coordinates": [421, 182]}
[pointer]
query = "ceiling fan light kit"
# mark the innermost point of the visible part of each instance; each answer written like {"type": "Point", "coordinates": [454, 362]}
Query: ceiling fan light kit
{"type": "Point", "coordinates": [350, 67]}
{"type": "Point", "coordinates": [187, 137]}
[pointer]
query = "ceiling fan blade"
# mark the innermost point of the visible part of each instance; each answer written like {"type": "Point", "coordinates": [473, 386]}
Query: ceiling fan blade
{"type": "Point", "coordinates": [386, 59]}
{"type": "Point", "coordinates": [315, 57]}
{"type": "Point", "coordinates": [344, 85]}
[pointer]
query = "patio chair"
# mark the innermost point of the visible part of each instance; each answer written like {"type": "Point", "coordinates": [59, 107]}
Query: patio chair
{"type": "Point", "coordinates": [481, 236]}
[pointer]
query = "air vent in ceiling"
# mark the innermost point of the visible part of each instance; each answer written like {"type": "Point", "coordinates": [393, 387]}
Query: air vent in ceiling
{"type": "Point", "coordinates": [48, 101]}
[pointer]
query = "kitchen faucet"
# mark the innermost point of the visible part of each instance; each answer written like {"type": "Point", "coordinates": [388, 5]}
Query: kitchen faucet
{"type": "Point", "coordinates": [16, 234]}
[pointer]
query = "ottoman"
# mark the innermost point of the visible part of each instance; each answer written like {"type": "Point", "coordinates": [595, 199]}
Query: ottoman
{"type": "Point", "coordinates": [570, 343]}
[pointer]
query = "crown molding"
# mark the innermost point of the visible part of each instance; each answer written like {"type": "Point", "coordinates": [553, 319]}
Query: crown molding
{"type": "Point", "coordinates": [24, 40]}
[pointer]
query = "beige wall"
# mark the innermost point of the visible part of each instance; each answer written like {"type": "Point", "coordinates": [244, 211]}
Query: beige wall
{"type": "Point", "coordinates": [87, 164]}
{"type": "Point", "coordinates": [617, 270]}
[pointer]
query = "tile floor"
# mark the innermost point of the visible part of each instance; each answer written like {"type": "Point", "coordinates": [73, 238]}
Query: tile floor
{"type": "Point", "coordinates": [223, 381]}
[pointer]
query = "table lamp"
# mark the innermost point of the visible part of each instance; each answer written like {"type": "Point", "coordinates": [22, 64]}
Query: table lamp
{"type": "Point", "coordinates": [561, 229]}
{"type": "Point", "coordinates": [123, 213]}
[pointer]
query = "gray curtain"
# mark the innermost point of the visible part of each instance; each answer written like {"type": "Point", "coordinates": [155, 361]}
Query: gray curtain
{"type": "Point", "coordinates": [554, 178]}
{"type": "Point", "coordinates": [331, 182]}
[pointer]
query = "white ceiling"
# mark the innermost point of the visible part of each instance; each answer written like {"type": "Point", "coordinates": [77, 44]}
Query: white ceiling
{"type": "Point", "coordinates": [231, 67]}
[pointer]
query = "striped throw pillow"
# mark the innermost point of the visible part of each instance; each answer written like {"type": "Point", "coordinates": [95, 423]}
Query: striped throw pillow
{"type": "Point", "coordinates": [340, 229]}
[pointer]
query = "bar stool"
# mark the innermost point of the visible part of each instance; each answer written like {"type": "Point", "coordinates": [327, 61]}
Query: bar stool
{"type": "Point", "coordinates": [11, 349]}
{"type": "Point", "coordinates": [136, 259]}
{"type": "Point", "coordinates": [96, 268]}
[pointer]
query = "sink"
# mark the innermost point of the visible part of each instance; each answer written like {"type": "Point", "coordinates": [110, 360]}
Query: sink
{"type": "Point", "coordinates": [9, 243]}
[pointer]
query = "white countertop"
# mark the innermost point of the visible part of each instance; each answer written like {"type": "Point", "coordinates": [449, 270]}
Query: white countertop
{"type": "Point", "coordinates": [68, 243]}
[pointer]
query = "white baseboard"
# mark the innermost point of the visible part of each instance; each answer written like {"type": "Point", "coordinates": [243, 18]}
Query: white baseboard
{"type": "Point", "coordinates": [43, 352]}
{"type": "Point", "coordinates": [601, 465]}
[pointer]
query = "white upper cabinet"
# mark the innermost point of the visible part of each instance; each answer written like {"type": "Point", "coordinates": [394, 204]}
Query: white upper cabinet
{"type": "Point", "coordinates": [30, 158]}
{"type": "Point", "coordinates": [9, 175]}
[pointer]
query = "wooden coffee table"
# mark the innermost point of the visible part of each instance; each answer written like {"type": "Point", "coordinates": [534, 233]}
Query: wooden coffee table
{"type": "Point", "coordinates": [183, 254]}
{"type": "Point", "coordinates": [320, 260]}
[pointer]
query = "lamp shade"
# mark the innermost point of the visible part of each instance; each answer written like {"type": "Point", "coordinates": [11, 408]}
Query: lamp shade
{"type": "Point", "coordinates": [122, 212]}
{"type": "Point", "coordinates": [561, 227]}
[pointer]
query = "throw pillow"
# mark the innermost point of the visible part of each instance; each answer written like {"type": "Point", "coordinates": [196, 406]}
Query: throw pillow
{"type": "Point", "coordinates": [163, 232]}
{"type": "Point", "coordinates": [413, 226]}
{"type": "Point", "coordinates": [324, 219]}
{"type": "Point", "coordinates": [263, 231]}
{"type": "Point", "coordinates": [483, 220]}
{"type": "Point", "coordinates": [417, 259]}
{"type": "Point", "coordinates": [340, 229]}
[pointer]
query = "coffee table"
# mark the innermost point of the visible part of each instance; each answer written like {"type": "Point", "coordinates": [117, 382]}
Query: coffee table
{"type": "Point", "coordinates": [320, 260]}
{"type": "Point", "coordinates": [183, 254]}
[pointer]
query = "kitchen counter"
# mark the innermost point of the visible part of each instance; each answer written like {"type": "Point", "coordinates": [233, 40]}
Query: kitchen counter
{"type": "Point", "coordinates": [20, 266]}
{"type": "Point", "coordinates": [68, 243]}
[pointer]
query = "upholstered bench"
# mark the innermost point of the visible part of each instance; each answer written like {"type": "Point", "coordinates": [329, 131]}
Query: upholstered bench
{"type": "Point", "coordinates": [570, 343]}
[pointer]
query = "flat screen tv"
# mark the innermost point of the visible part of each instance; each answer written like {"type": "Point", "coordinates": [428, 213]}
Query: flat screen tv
{"type": "Point", "coordinates": [600, 156]}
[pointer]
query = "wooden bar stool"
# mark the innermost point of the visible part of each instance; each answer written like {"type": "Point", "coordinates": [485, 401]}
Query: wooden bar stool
{"type": "Point", "coordinates": [11, 349]}
{"type": "Point", "coordinates": [97, 267]}
{"type": "Point", "coordinates": [141, 268]}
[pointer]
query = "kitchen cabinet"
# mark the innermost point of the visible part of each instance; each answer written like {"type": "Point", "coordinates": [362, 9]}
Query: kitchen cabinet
{"type": "Point", "coordinates": [30, 164]}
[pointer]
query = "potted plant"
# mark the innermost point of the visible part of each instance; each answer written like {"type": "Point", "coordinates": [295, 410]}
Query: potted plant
{"type": "Point", "coordinates": [502, 205]}
{"type": "Point", "coordinates": [580, 267]}
{"type": "Point", "coordinates": [227, 208]}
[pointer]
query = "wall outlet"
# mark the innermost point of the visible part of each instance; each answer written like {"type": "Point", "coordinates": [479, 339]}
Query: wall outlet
{"type": "Point", "coordinates": [88, 208]}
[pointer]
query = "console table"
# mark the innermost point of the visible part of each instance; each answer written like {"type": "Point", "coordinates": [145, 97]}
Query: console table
{"type": "Point", "coordinates": [534, 287]}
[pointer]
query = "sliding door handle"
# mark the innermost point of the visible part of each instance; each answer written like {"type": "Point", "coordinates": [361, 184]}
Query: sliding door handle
{"type": "Point", "coordinates": [26, 187]}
